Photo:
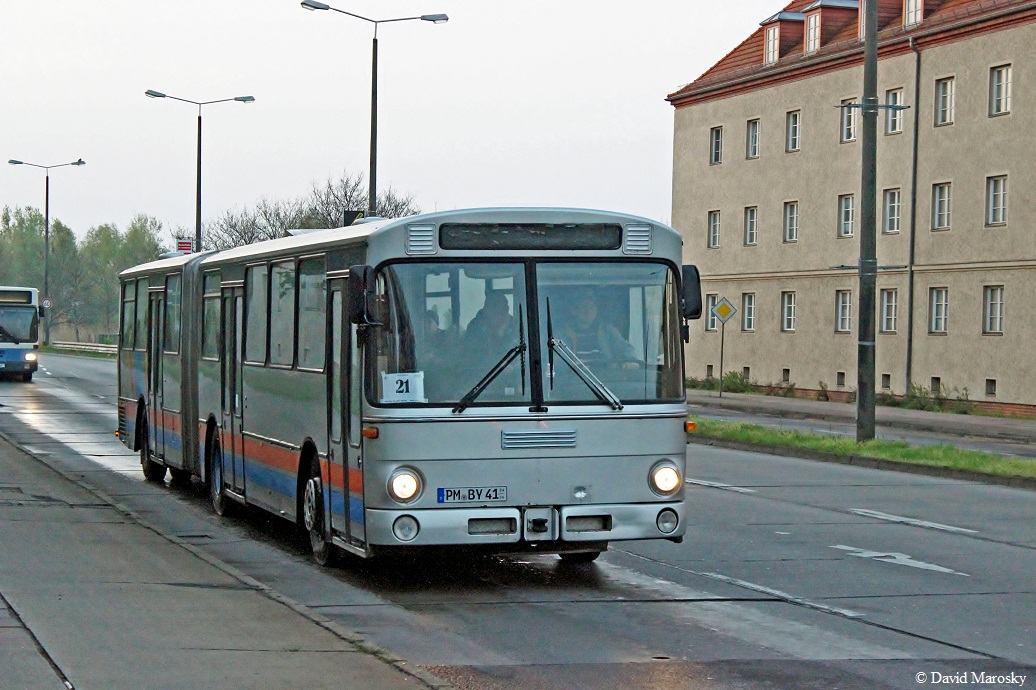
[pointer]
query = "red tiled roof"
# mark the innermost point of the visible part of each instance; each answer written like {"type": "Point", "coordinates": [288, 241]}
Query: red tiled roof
{"type": "Point", "coordinates": [745, 62]}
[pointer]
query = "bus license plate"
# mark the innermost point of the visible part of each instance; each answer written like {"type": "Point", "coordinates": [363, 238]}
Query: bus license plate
{"type": "Point", "coordinates": [473, 494]}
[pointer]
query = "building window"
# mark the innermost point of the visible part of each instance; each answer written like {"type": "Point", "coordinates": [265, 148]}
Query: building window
{"type": "Point", "coordinates": [847, 131]}
{"type": "Point", "coordinates": [791, 221]}
{"type": "Point", "coordinates": [751, 225]}
{"type": "Point", "coordinates": [788, 312]}
{"type": "Point", "coordinates": [944, 101]}
{"type": "Point", "coordinates": [993, 310]}
{"type": "Point", "coordinates": [785, 375]}
{"type": "Point", "coordinates": [714, 225]}
{"type": "Point", "coordinates": [813, 33]}
{"type": "Point", "coordinates": [936, 385]}
{"type": "Point", "coordinates": [773, 43]}
{"type": "Point", "coordinates": [752, 139]}
{"type": "Point", "coordinates": [791, 130]}
{"type": "Point", "coordinates": [886, 382]}
{"type": "Point", "coordinates": [711, 320]}
{"type": "Point", "coordinates": [938, 309]}
{"type": "Point", "coordinates": [891, 204]}
{"type": "Point", "coordinates": [996, 200]}
{"type": "Point", "coordinates": [846, 214]}
{"type": "Point", "coordinates": [941, 202]}
{"type": "Point", "coordinates": [863, 19]}
{"type": "Point", "coordinates": [840, 379]}
{"type": "Point", "coordinates": [747, 373]}
{"type": "Point", "coordinates": [889, 310]}
{"type": "Point", "coordinates": [843, 311]}
{"type": "Point", "coordinates": [913, 12]}
{"type": "Point", "coordinates": [709, 368]}
{"type": "Point", "coordinates": [748, 311]}
{"type": "Point", "coordinates": [1000, 90]}
{"type": "Point", "coordinates": [715, 146]}
{"type": "Point", "coordinates": [893, 113]}
{"type": "Point", "coordinates": [991, 388]}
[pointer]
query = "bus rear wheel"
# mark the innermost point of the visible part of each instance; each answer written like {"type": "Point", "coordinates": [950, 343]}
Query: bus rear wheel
{"type": "Point", "coordinates": [153, 471]}
{"type": "Point", "coordinates": [324, 552]}
{"type": "Point", "coordinates": [217, 496]}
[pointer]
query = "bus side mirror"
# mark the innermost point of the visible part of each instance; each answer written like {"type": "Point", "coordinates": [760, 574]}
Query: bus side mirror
{"type": "Point", "coordinates": [690, 294]}
{"type": "Point", "coordinates": [358, 291]}
{"type": "Point", "coordinates": [43, 312]}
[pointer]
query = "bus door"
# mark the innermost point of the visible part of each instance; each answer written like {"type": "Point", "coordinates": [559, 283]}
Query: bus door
{"type": "Point", "coordinates": [232, 441]}
{"type": "Point", "coordinates": [344, 493]}
{"type": "Point", "coordinates": [156, 421]}
{"type": "Point", "coordinates": [336, 486]}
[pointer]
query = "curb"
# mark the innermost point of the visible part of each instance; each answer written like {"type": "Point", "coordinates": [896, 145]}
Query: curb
{"type": "Point", "coordinates": [943, 427]}
{"type": "Point", "coordinates": [864, 461]}
{"type": "Point", "coordinates": [353, 638]}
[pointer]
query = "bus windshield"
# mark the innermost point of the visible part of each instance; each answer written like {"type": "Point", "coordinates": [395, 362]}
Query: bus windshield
{"type": "Point", "coordinates": [459, 334]}
{"type": "Point", "coordinates": [19, 325]}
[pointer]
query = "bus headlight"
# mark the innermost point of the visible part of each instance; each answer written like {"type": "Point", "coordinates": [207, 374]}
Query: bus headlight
{"type": "Point", "coordinates": [30, 356]}
{"type": "Point", "coordinates": [665, 478]}
{"type": "Point", "coordinates": [404, 485]}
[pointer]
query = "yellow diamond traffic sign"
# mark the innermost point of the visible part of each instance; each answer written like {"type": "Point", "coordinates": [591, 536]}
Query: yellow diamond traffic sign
{"type": "Point", "coordinates": [724, 310]}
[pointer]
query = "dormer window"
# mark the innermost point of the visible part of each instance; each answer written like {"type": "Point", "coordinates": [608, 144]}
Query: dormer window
{"type": "Point", "coordinates": [773, 44]}
{"type": "Point", "coordinates": [913, 12]}
{"type": "Point", "coordinates": [813, 32]}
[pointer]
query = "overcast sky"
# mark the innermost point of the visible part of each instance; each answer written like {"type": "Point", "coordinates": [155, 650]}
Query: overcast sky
{"type": "Point", "coordinates": [534, 102]}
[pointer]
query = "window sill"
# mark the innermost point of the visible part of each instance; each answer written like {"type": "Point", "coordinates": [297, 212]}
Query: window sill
{"type": "Point", "coordinates": [994, 334]}
{"type": "Point", "coordinates": [943, 229]}
{"type": "Point", "coordinates": [995, 225]}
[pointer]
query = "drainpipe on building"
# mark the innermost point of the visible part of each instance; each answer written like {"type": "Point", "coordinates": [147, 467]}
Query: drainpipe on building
{"type": "Point", "coordinates": [913, 218]}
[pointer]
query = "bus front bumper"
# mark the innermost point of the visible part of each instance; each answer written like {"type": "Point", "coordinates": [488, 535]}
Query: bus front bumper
{"type": "Point", "coordinates": [539, 525]}
{"type": "Point", "coordinates": [18, 366]}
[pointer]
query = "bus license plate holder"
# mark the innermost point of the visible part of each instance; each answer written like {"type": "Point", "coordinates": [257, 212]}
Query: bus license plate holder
{"type": "Point", "coordinates": [472, 494]}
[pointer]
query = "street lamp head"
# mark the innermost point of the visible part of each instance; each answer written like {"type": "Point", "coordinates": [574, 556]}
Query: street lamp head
{"type": "Point", "coordinates": [313, 5]}
{"type": "Point", "coordinates": [80, 162]}
{"type": "Point", "coordinates": [245, 99]}
{"type": "Point", "coordinates": [14, 162]}
{"type": "Point", "coordinates": [154, 94]}
{"type": "Point", "coordinates": [435, 18]}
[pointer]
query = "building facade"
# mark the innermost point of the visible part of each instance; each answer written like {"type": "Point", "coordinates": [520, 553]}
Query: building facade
{"type": "Point", "coordinates": [766, 192]}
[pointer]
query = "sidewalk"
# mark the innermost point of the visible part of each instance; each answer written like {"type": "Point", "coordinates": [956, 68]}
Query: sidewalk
{"type": "Point", "coordinates": [1002, 428]}
{"type": "Point", "coordinates": [91, 599]}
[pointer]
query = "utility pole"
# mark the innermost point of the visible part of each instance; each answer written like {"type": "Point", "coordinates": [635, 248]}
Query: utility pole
{"type": "Point", "coordinates": [868, 228]}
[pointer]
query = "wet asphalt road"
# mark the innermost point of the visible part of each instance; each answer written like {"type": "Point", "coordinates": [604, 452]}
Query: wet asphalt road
{"type": "Point", "coordinates": [793, 575]}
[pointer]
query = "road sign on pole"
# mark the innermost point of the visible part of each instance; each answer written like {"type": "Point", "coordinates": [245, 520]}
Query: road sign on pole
{"type": "Point", "coordinates": [724, 311]}
{"type": "Point", "coordinates": [185, 246]}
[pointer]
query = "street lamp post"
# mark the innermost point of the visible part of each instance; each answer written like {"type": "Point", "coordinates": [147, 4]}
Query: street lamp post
{"type": "Point", "coordinates": [197, 208]}
{"type": "Point", "coordinates": [435, 19]}
{"type": "Point", "coordinates": [46, 231]}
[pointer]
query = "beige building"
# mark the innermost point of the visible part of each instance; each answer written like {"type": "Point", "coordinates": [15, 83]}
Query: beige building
{"type": "Point", "coordinates": [766, 191]}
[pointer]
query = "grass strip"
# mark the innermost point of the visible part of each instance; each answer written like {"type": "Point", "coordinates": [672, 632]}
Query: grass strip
{"type": "Point", "coordinates": [944, 456]}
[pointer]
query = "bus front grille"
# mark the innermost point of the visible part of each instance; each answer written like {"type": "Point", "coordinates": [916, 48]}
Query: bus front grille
{"type": "Point", "coordinates": [537, 439]}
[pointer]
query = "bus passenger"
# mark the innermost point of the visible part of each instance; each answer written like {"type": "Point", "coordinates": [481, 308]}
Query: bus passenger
{"type": "Point", "coordinates": [493, 331]}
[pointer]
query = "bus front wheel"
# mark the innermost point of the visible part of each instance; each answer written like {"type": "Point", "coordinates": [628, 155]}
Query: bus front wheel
{"type": "Point", "coordinates": [324, 552]}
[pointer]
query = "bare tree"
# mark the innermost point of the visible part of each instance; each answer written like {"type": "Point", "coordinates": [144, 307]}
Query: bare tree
{"type": "Point", "coordinates": [329, 205]}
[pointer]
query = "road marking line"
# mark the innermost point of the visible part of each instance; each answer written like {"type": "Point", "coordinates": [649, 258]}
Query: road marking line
{"type": "Point", "coordinates": [896, 559]}
{"type": "Point", "coordinates": [717, 485]}
{"type": "Point", "coordinates": [911, 521]}
{"type": "Point", "coordinates": [776, 593]}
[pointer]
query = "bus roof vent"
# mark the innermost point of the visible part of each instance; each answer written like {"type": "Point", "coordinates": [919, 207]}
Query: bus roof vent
{"type": "Point", "coordinates": [420, 239]}
{"type": "Point", "coordinates": [637, 240]}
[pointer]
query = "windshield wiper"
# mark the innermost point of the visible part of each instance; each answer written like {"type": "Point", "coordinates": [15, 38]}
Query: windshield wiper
{"type": "Point", "coordinates": [578, 366]}
{"type": "Point", "coordinates": [498, 368]}
{"type": "Point", "coordinates": [8, 336]}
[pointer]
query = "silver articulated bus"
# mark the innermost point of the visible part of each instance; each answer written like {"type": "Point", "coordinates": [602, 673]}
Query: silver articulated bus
{"type": "Point", "coordinates": [505, 379]}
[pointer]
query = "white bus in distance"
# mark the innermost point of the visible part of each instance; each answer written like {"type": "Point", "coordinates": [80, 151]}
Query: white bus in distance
{"type": "Point", "coordinates": [20, 313]}
{"type": "Point", "coordinates": [504, 379]}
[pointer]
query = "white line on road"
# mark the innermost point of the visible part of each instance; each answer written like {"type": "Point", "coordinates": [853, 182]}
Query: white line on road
{"type": "Point", "coordinates": [911, 521]}
{"type": "Point", "coordinates": [717, 485]}
{"type": "Point", "coordinates": [896, 559]}
{"type": "Point", "coordinates": [790, 598]}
